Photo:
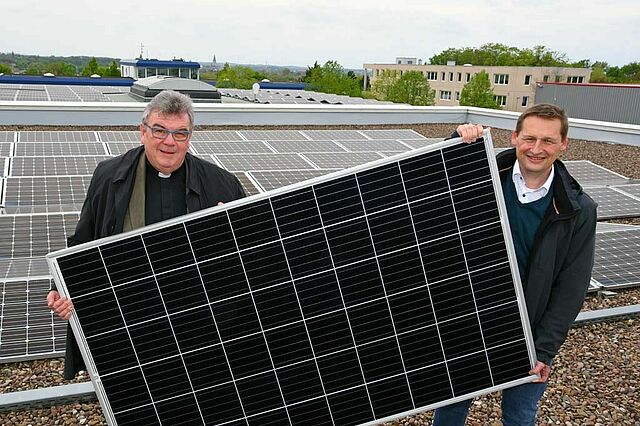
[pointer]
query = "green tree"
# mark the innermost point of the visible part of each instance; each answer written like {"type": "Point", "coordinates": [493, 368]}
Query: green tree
{"type": "Point", "coordinates": [496, 54]}
{"type": "Point", "coordinates": [61, 68]}
{"type": "Point", "coordinates": [5, 69]}
{"type": "Point", "coordinates": [382, 84]}
{"type": "Point", "coordinates": [34, 69]}
{"type": "Point", "coordinates": [412, 87]}
{"type": "Point", "coordinates": [332, 78]}
{"type": "Point", "coordinates": [478, 92]}
{"type": "Point", "coordinates": [239, 77]}
{"type": "Point", "coordinates": [91, 67]}
{"type": "Point", "coordinates": [112, 70]}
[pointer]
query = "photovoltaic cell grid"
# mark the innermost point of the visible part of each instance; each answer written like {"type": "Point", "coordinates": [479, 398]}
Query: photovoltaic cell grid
{"type": "Point", "coordinates": [117, 148]}
{"type": "Point", "coordinates": [55, 166]}
{"type": "Point", "coordinates": [272, 179]}
{"type": "Point", "coordinates": [119, 136]}
{"type": "Point", "coordinates": [5, 149]}
{"type": "Point", "coordinates": [340, 160]}
{"type": "Point", "coordinates": [230, 147]}
{"type": "Point", "coordinates": [305, 146]}
{"type": "Point", "coordinates": [632, 189]}
{"type": "Point", "coordinates": [7, 136]}
{"type": "Point", "coordinates": [34, 235]}
{"type": "Point", "coordinates": [50, 136]}
{"type": "Point", "coordinates": [46, 191]}
{"type": "Point", "coordinates": [23, 267]}
{"type": "Point", "coordinates": [590, 174]}
{"type": "Point", "coordinates": [613, 203]}
{"type": "Point", "coordinates": [356, 299]}
{"type": "Point", "coordinates": [45, 149]}
{"type": "Point", "coordinates": [28, 329]}
{"type": "Point", "coordinates": [616, 258]}
{"type": "Point", "coordinates": [249, 187]}
{"type": "Point", "coordinates": [240, 162]}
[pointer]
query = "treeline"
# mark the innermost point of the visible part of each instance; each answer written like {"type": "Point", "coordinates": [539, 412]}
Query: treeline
{"type": "Point", "coordinates": [59, 65]}
{"type": "Point", "coordinates": [601, 72]}
{"type": "Point", "coordinates": [243, 77]}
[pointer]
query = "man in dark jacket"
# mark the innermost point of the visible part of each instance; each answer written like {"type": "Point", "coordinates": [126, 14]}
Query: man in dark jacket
{"type": "Point", "coordinates": [553, 226]}
{"type": "Point", "coordinates": [157, 181]}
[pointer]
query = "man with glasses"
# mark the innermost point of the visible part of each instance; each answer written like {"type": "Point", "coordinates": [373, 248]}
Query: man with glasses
{"type": "Point", "coordinates": [156, 181]}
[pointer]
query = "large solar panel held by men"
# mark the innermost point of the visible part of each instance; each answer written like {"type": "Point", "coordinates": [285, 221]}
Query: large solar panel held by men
{"type": "Point", "coordinates": [354, 298]}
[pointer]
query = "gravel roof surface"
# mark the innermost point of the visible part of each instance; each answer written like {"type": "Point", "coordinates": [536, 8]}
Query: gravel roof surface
{"type": "Point", "coordinates": [594, 379]}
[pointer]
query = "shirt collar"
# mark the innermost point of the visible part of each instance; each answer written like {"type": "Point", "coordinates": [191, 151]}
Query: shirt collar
{"type": "Point", "coordinates": [518, 178]}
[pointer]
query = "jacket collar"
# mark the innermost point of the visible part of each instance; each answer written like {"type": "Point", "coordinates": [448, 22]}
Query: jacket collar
{"type": "Point", "coordinates": [565, 187]}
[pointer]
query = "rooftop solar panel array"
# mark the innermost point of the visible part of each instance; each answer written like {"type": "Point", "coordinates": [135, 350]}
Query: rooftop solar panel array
{"type": "Point", "coordinates": [590, 174]}
{"type": "Point", "coordinates": [60, 93]}
{"type": "Point", "coordinates": [270, 96]}
{"type": "Point", "coordinates": [616, 259]}
{"type": "Point", "coordinates": [355, 305]}
{"type": "Point", "coordinates": [614, 203]}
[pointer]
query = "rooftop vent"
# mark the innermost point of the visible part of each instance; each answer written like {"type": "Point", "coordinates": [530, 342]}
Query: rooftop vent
{"type": "Point", "coordinates": [199, 91]}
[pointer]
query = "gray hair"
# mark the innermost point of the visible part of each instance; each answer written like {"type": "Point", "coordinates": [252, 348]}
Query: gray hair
{"type": "Point", "coordinates": [170, 102]}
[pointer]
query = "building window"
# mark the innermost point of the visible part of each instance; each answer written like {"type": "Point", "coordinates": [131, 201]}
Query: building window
{"type": "Point", "coordinates": [527, 80]}
{"type": "Point", "coordinates": [525, 101]}
{"type": "Point", "coordinates": [575, 79]}
{"type": "Point", "coordinates": [457, 96]}
{"type": "Point", "coordinates": [443, 75]}
{"type": "Point", "coordinates": [450, 76]}
{"type": "Point", "coordinates": [558, 78]}
{"type": "Point", "coordinates": [501, 78]}
{"type": "Point", "coordinates": [410, 62]}
{"type": "Point", "coordinates": [432, 75]}
{"type": "Point", "coordinates": [468, 77]}
{"type": "Point", "coordinates": [459, 76]}
{"type": "Point", "coordinates": [399, 62]}
{"type": "Point", "coordinates": [545, 78]}
{"type": "Point", "coordinates": [377, 72]}
{"type": "Point", "coordinates": [445, 95]}
{"type": "Point", "coordinates": [500, 100]}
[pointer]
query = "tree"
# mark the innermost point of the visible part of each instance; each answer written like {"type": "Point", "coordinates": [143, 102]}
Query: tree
{"type": "Point", "coordinates": [412, 87]}
{"type": "Point", "coordinates": [332, 78]}
{"type": "Point", "coordinates": [239, 77]}
{"type": "Point", "coordinates": [91, 68]}
{"type": "Point", "coordinates": [478, 92]}
{"type": "Point", "coordinates": [5, 69]}
{"type": "Point", "coordinates": [60, 68]}
{"type": "Point", "coordinates": [34, 69]}
{"type": "Point", "coordinates": [112, 71]}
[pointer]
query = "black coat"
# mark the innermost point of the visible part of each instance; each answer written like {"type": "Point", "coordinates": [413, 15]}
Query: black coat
{"type": "Point", "coordinates": [560, 261]}
{"type": "Point", "coordinates": [107, 201]}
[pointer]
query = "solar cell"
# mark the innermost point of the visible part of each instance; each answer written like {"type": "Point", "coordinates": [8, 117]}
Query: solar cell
{"type": "Point", "coordinates": [613, 203]}
{"type": "Point", "coordinates": [374, 145]}
{"type": "Point", "coordinates": [230, 147]}
{"type": "Point", "coordinates": [272, 179]}
{"type": "Point", "coordinates": [216, 135]}
{"type": "Point", "coordinates": [51, 136]}
{"type": "Point", "coordinates": [247, 184]}
{"type": "Point", "coordinates": [588, 173]}
{"type": "Point", "coordinates": [54, 166]}
{"type": "Point", "coordinates": [29, 330]}
{"type": "Point", "coordinates": [419, 143]}
{"type": "Point", "coordinates": [117, 148]}
{"type": "Point", "coordinates": [23, 268]}
{"type": "Point", "coordinates": [46, 190]}
{"type": "Point", "coordinates": [35, 235]}
{"type": "Point", "coordinates": [333, 301]}
{"type": "Point", "coordinates": [7, 136]}
{"type": "Point", "coordinates": [341, 160]}
{"type": "Point", "coordinates": [392, 134]}
{"type": "Point", "coordinates": [305, 146]}
{"type": "Point", "coordinates": [45, 149]}
{"type": "Point", "coordinates": [616, 259]}
{"type": "Point", "coordinates": [334, 135]}
{"type": "Point", "coordinates": [119, 136]}
{"type": "Point", "coordinates": [5, 149]}
{"type": "Point", "coordinates": [632, 189]}
{"type": "Point", "coordinates": [272, 135]}
{"type": "Point", "coordinates": [238, 162]}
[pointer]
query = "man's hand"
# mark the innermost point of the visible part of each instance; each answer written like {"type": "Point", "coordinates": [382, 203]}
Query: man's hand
{"type": "Point", "coordinates": [60, 305]}
{"type": "Point", "coordinates": [542, 369]}
{"type": "Point", "coordinates": [470, 132]}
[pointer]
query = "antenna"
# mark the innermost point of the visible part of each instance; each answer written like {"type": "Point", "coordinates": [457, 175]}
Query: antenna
{"type": "Point", "coordinates": [141, 50]}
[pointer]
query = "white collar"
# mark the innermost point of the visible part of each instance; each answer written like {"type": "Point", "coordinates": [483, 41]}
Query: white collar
{"type": "Point", "coordinates": [517, 177]}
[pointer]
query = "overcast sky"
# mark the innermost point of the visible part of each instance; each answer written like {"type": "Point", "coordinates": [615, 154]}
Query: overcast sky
{"type": "Point", "coordinates": [299, 32]}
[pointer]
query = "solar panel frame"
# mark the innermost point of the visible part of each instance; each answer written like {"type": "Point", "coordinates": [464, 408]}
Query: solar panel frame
{"type": "Point", "coordinates": [460, 366]}
{"type": "Point", "coordinates": [57, 149]}
{"type": "Point", "coordinates": [4, 166]}
{"type": "Point", "coordinates": [57, 136]}
{"type": "Point", "coordinates": [55, 166]}
{"type": "Point", "coordinates": [391, 134]}
{"type": "Point", "coordinates": [633, 190]}
{"type": "Point", "coordinates": [616, 258]}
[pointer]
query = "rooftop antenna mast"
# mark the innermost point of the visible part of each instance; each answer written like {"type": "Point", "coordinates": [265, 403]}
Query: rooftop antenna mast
{"type": "Point", "coordinates": [141, 50]}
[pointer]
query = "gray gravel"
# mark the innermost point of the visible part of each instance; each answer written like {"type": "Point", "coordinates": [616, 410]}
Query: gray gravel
{"type": "Point", "coordinates": [594, 380]}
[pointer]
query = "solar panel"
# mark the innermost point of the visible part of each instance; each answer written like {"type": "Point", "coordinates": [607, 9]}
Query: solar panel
{"type": "Point", "coordinates": [374, 145]}
{"type": "Point", "coordinates": [247, 184]}
{"type": "Point", "coordinates": [46, 136]}
{"type": "Point", "coordinates": [55, 166]}
{"type": "Point", "coordinates": [22, 268]}
{"type": "Point", "coordinates": [238, 162]}
{"type": "Point", "coordinates": [613, 203]}
{"type": "Point", "coordinates": [633, 189]}
{"type": "Point", "coordinates": [4, 166]}
{"type": "Point", "coordinates": [46, 190]}
{"type": "Point", "coordinates": [272, 135]}
{"type": "Point", "coordinates": [419, 143]}
{"type": "Point", "coordinates": [588, 173]}
{"type": "Point", "coordinates": [616, 259]}
{"type": "Point", "coordinates": [119, 136]}
{"type": "Point", "coordinates": [118, 148]}
{"type": "Point", "coordinates": [5, 149]}
{"type": "Point", "coordinates": [233, 147]}
{"type": "Point", "coordinates": [305, 146]}
{"type": "Point", "coordinates": [44, 149]}
{"type": "Point", "coordinates": [335, 302]}
{"type": "Point", "coordinates": [392, 134]}
{"type": "Point", "coordinates": [606, 227]}
{"type": "Point", "coordinates": [272, 179]}
{"type": "Point", "coordinates": [341, 160]}
{"type": "Point", "coordinates": [35, 235]}
{"type": "Point", "coordinates": [216, 135]}
{"type": "Point", "coordinates": [7, 136]}
{"type": "Point", "coordinates": [29, 329]}
{"type": "Point", "coordinates": [333, 135]}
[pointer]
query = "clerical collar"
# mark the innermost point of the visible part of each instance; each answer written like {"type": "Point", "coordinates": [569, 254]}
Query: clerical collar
{"type": "Point", "coordinates": [164, 176]}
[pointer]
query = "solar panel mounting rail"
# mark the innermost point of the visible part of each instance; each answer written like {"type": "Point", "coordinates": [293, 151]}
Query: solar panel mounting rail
{"type": "Point", "coordinates": [354, 298]}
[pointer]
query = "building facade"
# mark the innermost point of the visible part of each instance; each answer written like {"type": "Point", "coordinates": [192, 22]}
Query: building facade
{"type": "Point", "coordinates": [514, 87]}
{"type": "Point", "coordinates": [143, 68]}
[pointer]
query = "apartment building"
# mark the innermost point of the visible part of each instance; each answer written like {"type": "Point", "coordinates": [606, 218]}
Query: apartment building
{"type": "Point", "coordinates": [514, 87]}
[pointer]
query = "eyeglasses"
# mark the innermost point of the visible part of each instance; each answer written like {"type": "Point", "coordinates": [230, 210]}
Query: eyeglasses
{"type": "Point", "coordinates": [161, 133]}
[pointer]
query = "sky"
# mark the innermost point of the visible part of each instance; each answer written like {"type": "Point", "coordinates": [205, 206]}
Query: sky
{"type": "Point", "coordinates": [300, 32]}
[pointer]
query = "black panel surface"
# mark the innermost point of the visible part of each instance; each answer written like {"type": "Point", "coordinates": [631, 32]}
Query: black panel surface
{"type": "Point", "coordinates": [349, 301]}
